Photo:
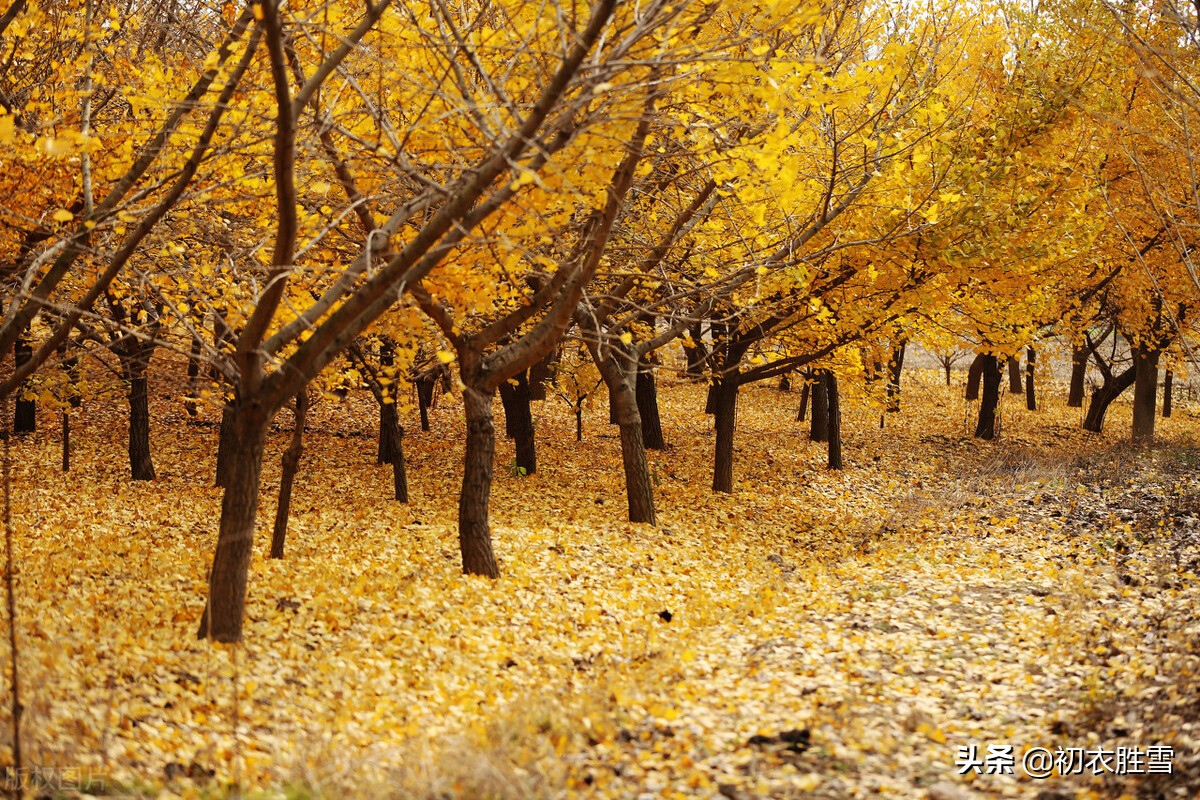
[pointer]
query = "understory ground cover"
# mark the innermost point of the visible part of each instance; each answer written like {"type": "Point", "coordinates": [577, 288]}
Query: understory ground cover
{"type": "Point", "coordinates": [814, 634]}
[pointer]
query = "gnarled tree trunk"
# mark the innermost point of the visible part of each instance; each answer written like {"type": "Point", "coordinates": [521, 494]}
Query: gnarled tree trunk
{"type": "Point", "coordinates": [1102, 398]}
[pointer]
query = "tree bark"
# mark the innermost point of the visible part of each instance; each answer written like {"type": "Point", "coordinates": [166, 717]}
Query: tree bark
{"type": "Point", "coordinates": [135, 360]}
{"type": "Point", "coordinates": [947, 365]}
{"type": "Point", "coordinates": [785, 382]}
{"type": "Point", "coordinates": [1102, 398]}
{"type": "Point", "coordinates": [1015, 384]}
{"type": "Point", "coordinates": [1030, 388]}
{"type": "Point", "coordinates": [425, 385]}
{"type": "Point", "coordinates": [389, 433]}
{"type": "Point", "coordinates": [518, 421]}
{"type": "Point", "coordinates": [222, 620]}
{"type": "Point", "coordinates": [895, 369]}
{"type": "Point", "coordinates": [474, 533]}
{"type": "Point", "coordinates": [804, 394]}
{"type": "Point", "coordinates": [697, 354]}
{"type": "Point", "coordinates": [835, 419]}
{"type": "Point", "coordinates": [1168, 391]}
{"type": "Point", "coordinates": [291, 464]}
{"type": "Point", "coordinates": [1079, 359]}
{"type": "Point", "coordinates": [974, 375]}
{"type": "Point", "coordinates": [986, 427]}
{"type": "Point", "coordinates": [25, 412]}
{"type": "Point", "coordinates": [1145, 393]}
{"type": "Point", "coordinates": [725, 418]}
{"type": "Point", "coordinates": [75, 399]}
{"type": "Point", "coordinates": [193, 374]}
{"type": "Point", "coordinates": [647, 403]}
{"type": "Point", "coordinates": [542, 373]}
{"type": "Point", "coordinates": [819, 432]}
{"type": "Point", "coordinates": [225, 443]}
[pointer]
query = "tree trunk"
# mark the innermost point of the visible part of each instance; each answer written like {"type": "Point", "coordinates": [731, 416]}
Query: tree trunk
{"type": "Point", "coordinates": [223, 618]}
{"type": "Point", "coordinates": [225, 443]}
{"type": "Point", "coordinates": [974, 374]}
{"type": "Point", "coordinates": [25, 413]}
{"type": "Point", "coordinates": [697, 354]}
{"type": "Point", "coordinates": [804, 393]}
{"type": "Point", "coordinates": [1079, 359]}
{"type": "Point", "coordinates": [1030, 389]}
{"type": "Point", "coordinates": [389, 433]}
{"type": "Point", "coordinates": [542, 373]}
{"type": "Point", "coordinates": [579, 420]}
{"type": "Point", "coordinates": [725, 417]}
{"type": "Point", "coordinates": [986, 428]}
{"type": "Point", "coordinates": [135, 362]}
{"type": "Point", "coordinates": [1102, 398]}
{"type": "Point", "coordinates": [647, 403]}
{"type": "Point", "coordinates": [193, 374]}
{"type": "Point", "coordinates": [639, 490]}
{"type": "Point", "coordinates": [835, 418]}
{"type": "Point", "coordinates": [1168, 387]}
{"type": "Point", "coordinates": [518, 421]}
{"type": "Point", "coordinates": [947, 365]}
{"type": "Point", "coordinates": [425, 385]}
{"type": "Point", "coordinates": [819, 431]}
{"type": "Point", "coordinates": [1145, 393]}
{"type": "Point", "coordinates": [75, 399]}
{"type": "Point", "coordinates": [1015, 384]}
{"type": "Point", "coordinates": [895, 368]}
{"type": "Point", "coordinates": [474, 532]}
{"type": "Point", "coordinates": [785, 382]}
{"type": "Point", "coordinates": [291, 464]}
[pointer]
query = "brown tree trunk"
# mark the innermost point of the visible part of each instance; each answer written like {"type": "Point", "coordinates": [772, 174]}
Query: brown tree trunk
{"type": "Point", "coordinates": [647, 403]}
{"type": "Point", "coordinates": [725, 418]}
{"type": "Point", "coordinates": [1102, 398]}
{"type": "Point", "coordinates": [75, 399]}
{"type": "Point", "coordinates": [579, 421]}
{"type": "Point", "coordinates": [518, 421]}
{"type": "Point", "coordinates": [947, 365]}
{"type": "Point", "coordinates": [986, 427]}
{"type": "Point", "coordinates": [542, 373]}
{"type": "Point", "coordinates": [1079, 359]}
{"type": "Point", "coordinates": [474, 532]}
{"type": "Point", "coordinates": [819, 432]}
{"type": "Point", "coordinates": [697, 354]}
{"type": "Point", "coordinates": [425, 385]}
{"type": "Point", "coordinates": [1015, 384]}
{"type": "Point", "coordinates": [835, 419]}
{"type": "Point", "coordinates": [291, 464]}
{"type": "Point", "coordinates": [1168, 392]}
{"type": "Point", "coordinates": [1030, 389]}
{"type": "Point", "coordinates": [895, 369]}
{"type": "Point", "coordinates": [193, 374]}
{"type": "Point", "coordinates": [1145, 393]}
{"type": "Point", "coordinates": [639, 489]}
{"type": "Point", "coordinates": [804, 394]}
{"type": "Point", "coordinates": [974, 375]}
{"type": "Point", "coordinates": [135, 361]}
{"type": "Point", "coordinates": [223, 618]}
{"type": "Point", "coordinates": [25, 412]}
{"type": "Point", "coordinates": [785, 382]}
{"type": "Point", "coordinates": [389, 433]}
{"type": "Point", "coordinates": [225, 443]}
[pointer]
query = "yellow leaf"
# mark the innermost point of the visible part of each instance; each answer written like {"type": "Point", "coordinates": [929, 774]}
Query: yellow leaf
{"type": "Point", "coordinates": [445, 356]}
{"type": "Point", "coordinates": [62, 215]}
{"type": "Point", "coordinates": [626, 337]}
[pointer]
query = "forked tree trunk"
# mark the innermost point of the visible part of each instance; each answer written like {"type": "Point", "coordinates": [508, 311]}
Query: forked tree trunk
{"type": "Point", "coordinates": [518, 421]}
{"type": "Point", "coordinates": [1079, 359]}
{"type": "Point", "coordinates": [986, 427]}
{"type": "Point", "coordinates": [1145, 393]}
{"type": "Point", "coordinates": [647, 403]}
{"type": "Point", "coordinates": [1103, 397]}
{"type": "Point", "coordinates": [1015, 384]}
{"type": "Point", "coordinates": [819, 432]}
{"type": "Point", "coordinates": [291, 464]}
{"type": "Point", "coordinates": [1168, 392]}
{"type": "Point", "coordinates": [895, 370]}
{"type": "Point", "coordinates": [222, 620]}
{"type": "Point", "coordinates": [835, 420]}
{"type": "Point", "coordinates": [135, 360]}
{"type": "Point", "coordinates": [474, 532]}
{"type": "Point", "coordinates": [25, 412]}
{"type": "Point", "coordinates": [725, 418]}
{"type": "Point", "coordinates": [1030, 388]}
{"type": "Point", "coordinates": [974, 376]}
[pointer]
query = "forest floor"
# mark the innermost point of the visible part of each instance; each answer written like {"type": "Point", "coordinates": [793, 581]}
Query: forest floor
{"type": "Point", "coordinates": [815, 634]}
